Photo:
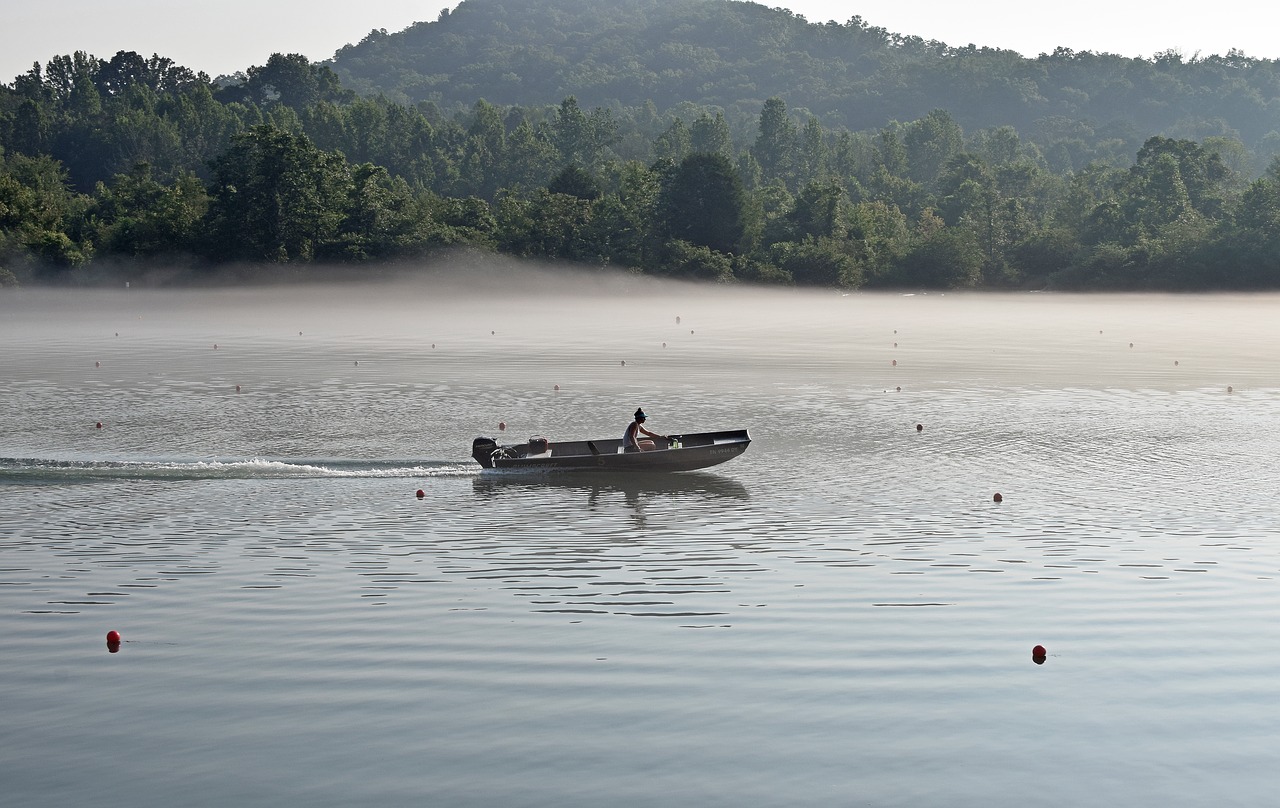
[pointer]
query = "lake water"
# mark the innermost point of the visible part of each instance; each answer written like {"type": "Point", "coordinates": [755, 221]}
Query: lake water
{"type": "Point", "coordinates": [841, 616]}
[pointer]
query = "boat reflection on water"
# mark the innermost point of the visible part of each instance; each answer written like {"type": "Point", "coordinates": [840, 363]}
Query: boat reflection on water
{"type": "Point", "coordinates": [631, 484]}
{"type": "Point", "coordinates": [641, 494]}
{"type": "Point", "coordinates": [595, 492]}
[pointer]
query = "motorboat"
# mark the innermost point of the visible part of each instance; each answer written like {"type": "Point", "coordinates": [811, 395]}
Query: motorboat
{"type": "Point", "coordinates": [689, 452]}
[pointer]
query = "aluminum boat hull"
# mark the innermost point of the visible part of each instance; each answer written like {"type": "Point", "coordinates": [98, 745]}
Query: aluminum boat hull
{"type": "Point", "coordinates": [685, 453]}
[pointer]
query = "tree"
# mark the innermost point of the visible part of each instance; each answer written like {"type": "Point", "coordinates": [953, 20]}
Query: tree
{"type": "Point", "coordinates": [704, 204]}
{"type": "Point", "coordinates": [711, 135]}
{"type": "Point", "coordinates": [673, 144]}
{"type": "Point", "coordinates": [42, 220]}
{"type": "Point", "coordinates": [813, 151]}
{"type": "Point", "coordinates": [276, 198]}
{"type": "Point", "coordinates": [821, 211]}
{"type": "Point", "coordinates": [930, 142]}
{"type": "Point", "coordinates": [775, 143]}
{"type": "Point", "coordinates": [293, 81]}
{"type": "Point", "coordinates": [878, 237]}
{"type": "Point", "coordinates": [141, 217]}
{"type": "Point", "coordinates": [624, 220]}
{"type": "Point", "coordinates": [941, 257]}
{"type": "Point", "coordinates": [696, 261]}
{"type": "Point", "coordinates": [575, 181]}
{"type": "Point", "coordinates": [819, 262]}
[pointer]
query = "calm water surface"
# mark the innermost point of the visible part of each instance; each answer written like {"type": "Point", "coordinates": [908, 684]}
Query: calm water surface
{"type": "Point", "coordinates": [842, 616]}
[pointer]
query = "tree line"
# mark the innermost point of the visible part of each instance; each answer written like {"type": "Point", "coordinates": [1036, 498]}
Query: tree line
{"type": "Point", "coordinates": [109, 167]}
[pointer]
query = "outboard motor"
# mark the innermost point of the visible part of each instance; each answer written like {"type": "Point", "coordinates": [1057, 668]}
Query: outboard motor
{"type": "Point", "coordinates": [482, 450]}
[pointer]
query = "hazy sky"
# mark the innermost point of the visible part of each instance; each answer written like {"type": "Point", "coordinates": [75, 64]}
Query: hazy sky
{"type": "Point", "coordinates": [234, 34]}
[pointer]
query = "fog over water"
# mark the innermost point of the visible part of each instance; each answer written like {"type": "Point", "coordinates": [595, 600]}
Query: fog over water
{"type": "Point", "coordinates": [843, 615]}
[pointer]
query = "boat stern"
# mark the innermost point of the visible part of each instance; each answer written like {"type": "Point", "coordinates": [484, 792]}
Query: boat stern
{"type": "Point", "coordinates": [482, 450]}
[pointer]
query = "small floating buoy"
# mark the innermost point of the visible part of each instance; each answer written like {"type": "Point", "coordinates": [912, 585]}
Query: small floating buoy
{"type": "Point", "coordinates": [1175, 363]}
{"type": "Point", "coordinates": [664, 345]}
{"type": "Point", "coordinates": [677, 319]}
{"type": "Point", "coordinates": [420, 494]}
{"type": "Point", "coordinates": [897, 389]}
{"type": "Point", "coordinates": [433, 346]}
{"type": "Point", "coordinates": [502, 426]}
{"type": "Point", "coordinates": [895, 363]}
{"type": "Point", "coordinates": [215, 346]}
{"type": "Point", "coordinates": [1039, 651]}
{"type": "Point", "coordinates": [357, 363]}
{"type": "Point", "coordinates": [557, 388]}
{"type": "Point", "coordinates": [98, 425]}
{"type": "Point", "coordinates": [491, 333]}
{"type": "Point", "coordinates": [1229, 389]}
{"type": "Point", "coordinates": [1131, 345]}
{"type": "Point", "coordinates": [97, 364]}
{"type": "Point", "coordinates": [113, 636]}
{"type": "Point", "coordinates": [690, 330]}
{"type": "Point", "coordinates": [299, 333]}
{"type": "Point", "coordinates": [237, 388]}
{"type": "Point", "coordinates": [117, 333]}
{"type": "Point", "coordinates": [624, 363]}
{"type": "Point", "coordinates": [919, 427]}
{"type": "Point", "coordinates": [997, 498]}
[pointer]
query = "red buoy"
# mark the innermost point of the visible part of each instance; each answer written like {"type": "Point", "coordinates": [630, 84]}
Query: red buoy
{"type": "Point", "coordinates": [98, 425]}
{"type": "Point", "coordinates": [895, 363]}
{"type": "Point", "coordinates": [237, 388]}
{"type": "Point", "coordinates": [97, 364]}
{"type": "Point", "coordinates": [1039, 651]}
{"type": "Point", "coordinates": [421, 493]}
{"type": "Point", "coordinates": [919, 427]}
{"type": "Point", "coordinates": [113, 641]}
{"type": "Point", "coordinates": [502, 426]}
{"type": "Point", "coordinates": [997, 498]}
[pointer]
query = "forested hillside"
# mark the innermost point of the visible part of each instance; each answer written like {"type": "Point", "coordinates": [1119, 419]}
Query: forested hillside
{"type": "Point", "coordinates": [704, 168]}
{"type": "Point", "coordinates": [734, 55]}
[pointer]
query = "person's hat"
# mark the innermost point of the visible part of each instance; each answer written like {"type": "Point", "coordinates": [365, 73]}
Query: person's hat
{"type": "Point", "coordinates": [640, 416]}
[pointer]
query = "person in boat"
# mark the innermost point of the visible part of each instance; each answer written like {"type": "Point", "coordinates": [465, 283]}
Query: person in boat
{"type": "Point", "coordinates": [631, 440]}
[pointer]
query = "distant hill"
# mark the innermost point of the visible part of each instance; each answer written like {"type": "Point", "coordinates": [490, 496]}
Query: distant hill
{"type": "Point", "coordinates": [735, 55]}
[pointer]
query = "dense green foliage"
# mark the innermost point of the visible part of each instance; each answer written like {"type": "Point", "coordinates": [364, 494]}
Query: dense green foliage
{"type": "Point", "coordinates": [620, 54]}
{"type": "Point", "coordinates": [112, 167]}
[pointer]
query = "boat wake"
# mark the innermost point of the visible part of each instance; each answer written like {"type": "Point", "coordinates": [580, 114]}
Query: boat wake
{"type": "Point", "coordinates": [41, 471]}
